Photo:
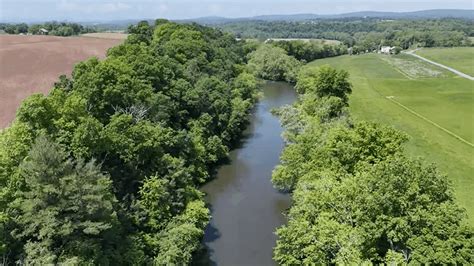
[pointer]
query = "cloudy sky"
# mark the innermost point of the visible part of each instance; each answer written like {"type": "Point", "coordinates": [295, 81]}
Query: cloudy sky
{"type": "Point", "coordinates": [90, 10]}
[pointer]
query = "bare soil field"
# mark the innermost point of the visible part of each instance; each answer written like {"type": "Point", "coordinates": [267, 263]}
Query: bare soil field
{"type": "Point", "coordinates": [31, 64]}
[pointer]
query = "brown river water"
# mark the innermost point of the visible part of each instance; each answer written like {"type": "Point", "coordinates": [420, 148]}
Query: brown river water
{"type": "Point", "coordinates": [245, 207]}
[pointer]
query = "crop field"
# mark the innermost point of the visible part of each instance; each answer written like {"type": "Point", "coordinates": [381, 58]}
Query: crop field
{"type": "Point", "coordinates": [31, 64]}
{"type": "Point", "coordinates": [459, 58]}
{"type": "Point", "coordinates": [432, 105]}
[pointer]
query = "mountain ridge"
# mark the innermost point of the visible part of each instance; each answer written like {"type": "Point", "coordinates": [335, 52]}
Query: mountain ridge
{"type": "Point", "coordinates": [421, 14]}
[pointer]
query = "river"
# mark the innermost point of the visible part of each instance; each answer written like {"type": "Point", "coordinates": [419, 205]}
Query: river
{"type": "Point", "coordinates": [245, 207]}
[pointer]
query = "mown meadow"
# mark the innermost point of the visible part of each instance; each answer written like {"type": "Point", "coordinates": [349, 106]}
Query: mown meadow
{"type": "Point", "coordinates": [459, 58]}
{"type": "Point", "coordinates": [381, 83]}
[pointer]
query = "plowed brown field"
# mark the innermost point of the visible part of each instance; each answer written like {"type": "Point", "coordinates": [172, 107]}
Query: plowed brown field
{"type": "Point", "coordinates": [31, 64]}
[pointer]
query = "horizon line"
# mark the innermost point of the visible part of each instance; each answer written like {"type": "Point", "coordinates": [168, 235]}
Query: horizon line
{"type": "Point", "coordinates": [229, 17]}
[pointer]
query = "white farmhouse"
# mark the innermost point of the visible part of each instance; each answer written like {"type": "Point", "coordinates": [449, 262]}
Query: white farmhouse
{"type": "Point", "coordinates": [43, 31]}
{"type": "Point", "coordinates": [387, 49]}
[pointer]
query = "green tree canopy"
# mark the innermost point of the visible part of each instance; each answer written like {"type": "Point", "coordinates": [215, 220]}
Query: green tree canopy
{"type": "Point", "coordinates": [357, 198]}
{"type": "Point", "coordinates": [325, 82]}
{"type": "Point", "coordinates": [272, 63]}
{"type": "Point", "coordinates": [158, 115]}
{"type": "Point", "coordinates": [65, 209]}
{"type": "Point", "coordinates": [398, 208]}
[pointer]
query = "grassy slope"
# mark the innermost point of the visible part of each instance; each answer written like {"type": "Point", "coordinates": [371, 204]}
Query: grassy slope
{"type": "Point", "coordinates": [446, 100]}
{"type": "Point", "coordinates": [459, 58]}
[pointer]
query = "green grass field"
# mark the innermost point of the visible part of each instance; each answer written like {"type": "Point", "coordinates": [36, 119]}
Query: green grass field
{"type": "Point", "coordinates": [433, 106]}
{"type": "Point", "coordinates": [459, 58]}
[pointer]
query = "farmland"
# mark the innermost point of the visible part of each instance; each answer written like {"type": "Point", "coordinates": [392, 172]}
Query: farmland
{"type": "Point", "coordinates": [460, 58]}
{"type": "Point", "coordinates": [31, 64]}
{"type": "Point", "coordinates": [433, 106]}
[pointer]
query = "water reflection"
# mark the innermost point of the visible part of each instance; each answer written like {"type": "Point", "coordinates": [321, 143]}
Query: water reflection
{"type": "Point", "coordinates": [245, 207]}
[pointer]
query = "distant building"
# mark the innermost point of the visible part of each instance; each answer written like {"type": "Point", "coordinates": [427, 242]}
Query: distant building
{"type": "Point", "coordinates": [387, 49]}
{"type": "Point", "coordinates": [43, 31]}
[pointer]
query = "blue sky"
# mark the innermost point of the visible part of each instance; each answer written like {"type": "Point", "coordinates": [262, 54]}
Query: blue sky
{"type": "Point", "coordinates": [87, 10]}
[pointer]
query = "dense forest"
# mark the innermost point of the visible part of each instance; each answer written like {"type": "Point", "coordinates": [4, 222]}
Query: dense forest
{"type": "Point", "coordinates": [104, 170]}
{"type": "Point", "coordinates": [357, 198]}
{"type": "Point", "coordinates": [53, 28]}
{"type": "Point", "coordinates": [363, 34]}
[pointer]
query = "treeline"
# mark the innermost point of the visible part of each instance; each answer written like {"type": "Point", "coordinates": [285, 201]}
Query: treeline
{"type": "Point", "coordinates": [105, 169]}
{"type": "Point", "coordinates": [282, 60]}
{"type": "Point", "coordinates": [357, 198]}
{"type": "Point", "coordinates": [53, 28]}
{"type": "Point", "coordinates": [310, 50]}
{"type": "Point", "coordinates": [367, 34]}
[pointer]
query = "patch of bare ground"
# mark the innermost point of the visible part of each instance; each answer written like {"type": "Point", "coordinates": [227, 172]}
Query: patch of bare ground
{"type": "Point", "coordinates": [31, 64]}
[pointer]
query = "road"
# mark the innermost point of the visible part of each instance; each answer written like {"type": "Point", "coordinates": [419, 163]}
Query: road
{"type": "Point", "coordinates": [459, 73]}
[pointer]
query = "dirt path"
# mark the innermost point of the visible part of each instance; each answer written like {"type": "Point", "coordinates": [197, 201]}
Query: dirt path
{"type": "Point", "coordinates": [459, 73]}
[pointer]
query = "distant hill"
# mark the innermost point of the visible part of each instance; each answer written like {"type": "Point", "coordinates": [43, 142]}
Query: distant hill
{"type": "Point", "coordinates": [215, 20]}
{"type": "Point", "coordinates": [424, 14]}
{"type": "Point", "coordinates": [435, 13]}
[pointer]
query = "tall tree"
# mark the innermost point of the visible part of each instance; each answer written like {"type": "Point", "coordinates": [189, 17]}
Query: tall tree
{"type": "Point", "coordinates": [272, 63]}
{"type": "Point", "coordinates": [325, 82]}
{"type": "Point", "coordinates": [66, 209]}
